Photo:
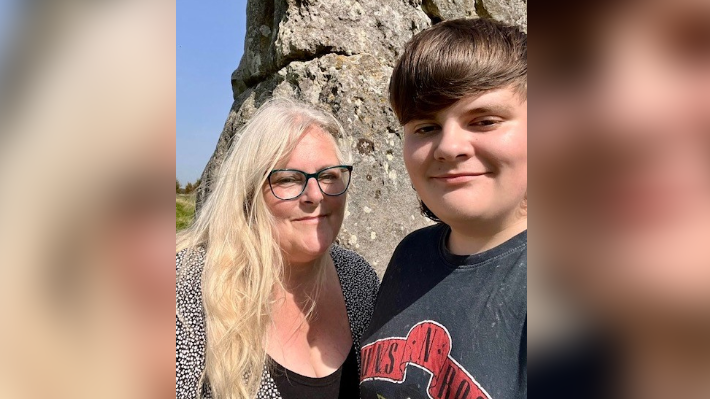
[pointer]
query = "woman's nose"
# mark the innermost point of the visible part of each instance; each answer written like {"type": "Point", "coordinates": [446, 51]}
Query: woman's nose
{"type": "Point", "coordinates": [312, 193]}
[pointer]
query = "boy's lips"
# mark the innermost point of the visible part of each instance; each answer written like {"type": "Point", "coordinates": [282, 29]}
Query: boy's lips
{"type": "Point", "coordinates": [459, 177]}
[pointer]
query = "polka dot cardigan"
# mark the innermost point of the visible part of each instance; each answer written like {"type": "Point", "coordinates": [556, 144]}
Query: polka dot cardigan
{"type": "Point", "coordinates": [357, 278]}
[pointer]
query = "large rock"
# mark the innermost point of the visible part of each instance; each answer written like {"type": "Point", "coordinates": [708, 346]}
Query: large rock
{"type": "Point", "coordinates": [508, 11]}
{"type": "Point", "coordinates": [439, 10]}
{"type": "Point", "coordinates": [279, 32]}
{"type": "Point", "coordinates": [338, 55]}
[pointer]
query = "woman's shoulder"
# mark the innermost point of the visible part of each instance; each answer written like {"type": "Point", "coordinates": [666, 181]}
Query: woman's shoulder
{"type": "Point", "coordinates": [189, 264]}
{"type": "Point", "coordinates": [354, 271]}
{"type": "Point", "coordinates": [351, 262]}
{"type": "Point", "coordinates": [190, 258]}
{"type": "Point", "coordinates": [360, 286]}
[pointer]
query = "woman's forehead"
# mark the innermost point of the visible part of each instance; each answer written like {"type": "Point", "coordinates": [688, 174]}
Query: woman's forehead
{"type": "Point", "coordinates": [314, 150]}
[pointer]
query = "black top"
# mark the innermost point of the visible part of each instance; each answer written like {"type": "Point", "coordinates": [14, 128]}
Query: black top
{"type": "Point", "coordinates": [448, 326]}
{"type": "Point", "coordinates": [343, 383]}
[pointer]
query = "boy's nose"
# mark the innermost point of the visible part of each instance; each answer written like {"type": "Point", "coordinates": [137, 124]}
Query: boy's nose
{"type": "Point", "coordinates": [455, 143]}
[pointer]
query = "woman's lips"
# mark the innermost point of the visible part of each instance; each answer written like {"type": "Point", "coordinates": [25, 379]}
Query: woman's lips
{"type": "Point", "coordinates": [310, 218]}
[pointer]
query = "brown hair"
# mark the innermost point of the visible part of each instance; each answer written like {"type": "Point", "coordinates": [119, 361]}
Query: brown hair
{"type": "Point", "coordinates": [452, 60]}
{"type": "Point", "coordinates": [455, 59]}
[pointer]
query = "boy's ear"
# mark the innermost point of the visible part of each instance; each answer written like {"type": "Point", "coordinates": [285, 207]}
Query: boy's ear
{"type": "Point", "coordinates": [524, 206]}
{"type": "Point", "coordinates": [425, 209]}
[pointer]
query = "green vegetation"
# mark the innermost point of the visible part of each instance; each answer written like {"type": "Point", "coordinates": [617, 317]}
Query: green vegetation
{"type": "Point", "coordinates": [184, 210]}
{"type": "Point", "coordinates": [189, 187]}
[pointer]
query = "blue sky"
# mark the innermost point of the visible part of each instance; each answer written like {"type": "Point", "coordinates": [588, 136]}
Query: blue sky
{"type": "Point", "coordinates": [210, 43]}
{"type": "Point", "coordinates": [9, 9]}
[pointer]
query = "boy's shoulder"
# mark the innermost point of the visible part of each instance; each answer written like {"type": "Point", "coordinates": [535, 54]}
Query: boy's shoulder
{"type": "Point", "coordinates": [425, 235]}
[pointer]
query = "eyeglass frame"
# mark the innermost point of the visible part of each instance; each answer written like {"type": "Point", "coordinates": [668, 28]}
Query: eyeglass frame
{"type": "Point", "coordinates": [308, 177]}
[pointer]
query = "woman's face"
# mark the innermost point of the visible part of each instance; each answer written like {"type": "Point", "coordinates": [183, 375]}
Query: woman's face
{"type": "Point", "coordinates": [621, 156]}
{"type": "Point", "coordinates": [309, 224]}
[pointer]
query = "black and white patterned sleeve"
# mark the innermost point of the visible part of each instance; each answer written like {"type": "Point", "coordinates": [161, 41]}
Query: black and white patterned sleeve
{"type": "Point", "coordinates": [360, 286]}
{"type": "Point", "coordinates": [189, 325]}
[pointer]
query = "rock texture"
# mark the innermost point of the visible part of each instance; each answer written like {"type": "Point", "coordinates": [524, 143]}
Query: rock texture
{"type": "Point", "coordinates": [338, 55]}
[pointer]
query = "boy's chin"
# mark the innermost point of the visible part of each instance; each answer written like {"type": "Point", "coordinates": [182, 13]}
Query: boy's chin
{"type": "Point", "coordinates": [471, 212]}
{"type": "Point", "coordinates": [469, 217]}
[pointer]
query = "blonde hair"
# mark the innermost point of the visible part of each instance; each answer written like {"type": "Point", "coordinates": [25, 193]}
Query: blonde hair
{"type": "Point", "coordinates": [243, 262]}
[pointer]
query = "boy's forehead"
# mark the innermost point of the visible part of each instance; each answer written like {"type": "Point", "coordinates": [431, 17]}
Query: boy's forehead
{"type": "Point", "coordinates": [504, 100]}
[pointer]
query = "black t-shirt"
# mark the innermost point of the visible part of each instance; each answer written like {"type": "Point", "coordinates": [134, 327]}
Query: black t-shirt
{"type": "Point", "coordinates": [448, 326]}
{"type": "Point", "coordinates": [342, 384]}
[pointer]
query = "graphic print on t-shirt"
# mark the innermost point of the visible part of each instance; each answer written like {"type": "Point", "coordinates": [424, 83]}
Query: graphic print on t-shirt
{"type": "Point", "coordinates": [428, 347]}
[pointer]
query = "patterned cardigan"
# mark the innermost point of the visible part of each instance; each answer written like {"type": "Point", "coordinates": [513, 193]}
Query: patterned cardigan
{"type": "Point", "coordinates": [357, 278]}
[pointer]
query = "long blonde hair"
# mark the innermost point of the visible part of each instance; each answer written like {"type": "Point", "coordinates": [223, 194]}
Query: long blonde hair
{"type": "Point", "coordinates": [243, 262]}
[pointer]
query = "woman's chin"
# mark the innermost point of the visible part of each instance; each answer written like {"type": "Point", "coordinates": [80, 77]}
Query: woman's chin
{"type": "Point", "coordinates": [310, 250]}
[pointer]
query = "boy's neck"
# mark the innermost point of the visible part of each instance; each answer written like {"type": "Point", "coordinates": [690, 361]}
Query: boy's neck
{"type": "Point", "coordinates": [474, 241]}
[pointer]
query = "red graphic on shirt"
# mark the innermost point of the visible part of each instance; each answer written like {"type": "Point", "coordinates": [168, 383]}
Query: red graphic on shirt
{"type": "Point", "coordinates": [427, 346]}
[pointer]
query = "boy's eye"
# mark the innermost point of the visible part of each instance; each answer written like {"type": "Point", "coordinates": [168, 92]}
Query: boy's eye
{"type": "Point", "coordinates": [426, 129]}
{"type": "Point", "coordinates": [486, 123]}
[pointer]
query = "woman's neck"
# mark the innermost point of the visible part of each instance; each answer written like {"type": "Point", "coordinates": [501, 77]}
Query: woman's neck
{"type": "Point", "coordinates": [302, 277]}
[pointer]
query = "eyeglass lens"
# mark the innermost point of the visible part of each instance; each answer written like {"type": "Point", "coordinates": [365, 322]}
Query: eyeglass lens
{"type": "Point", "coordinates": [289, 184]}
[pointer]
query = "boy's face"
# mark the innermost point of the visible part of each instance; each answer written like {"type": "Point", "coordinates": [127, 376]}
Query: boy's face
{"type": "Point", "coordinates": [468, 162]}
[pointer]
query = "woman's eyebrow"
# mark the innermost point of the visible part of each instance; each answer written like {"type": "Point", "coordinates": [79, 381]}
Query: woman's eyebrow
{"type": "Point", "coordinates": [320, 168]}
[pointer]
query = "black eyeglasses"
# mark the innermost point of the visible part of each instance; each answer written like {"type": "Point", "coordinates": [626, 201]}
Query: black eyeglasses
{"type": "Point", "coordinates": [288, 184]}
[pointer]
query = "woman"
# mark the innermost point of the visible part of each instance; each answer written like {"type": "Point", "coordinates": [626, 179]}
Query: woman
{"type": "Point", "coordinates": [267, 306]}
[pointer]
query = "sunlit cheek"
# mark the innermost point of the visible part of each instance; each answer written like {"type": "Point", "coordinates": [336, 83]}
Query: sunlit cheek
{"type": "Point", "coordinates": [338, 212]}
{"type": "Point", "coordinates": [416, 157]}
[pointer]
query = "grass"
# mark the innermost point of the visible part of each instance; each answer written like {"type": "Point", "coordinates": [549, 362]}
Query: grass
{"type": "Point", "coordinates": [184, 210]}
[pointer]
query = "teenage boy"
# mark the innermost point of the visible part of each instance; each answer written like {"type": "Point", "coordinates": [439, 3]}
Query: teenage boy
{"type": "Point", "coordinates": [451, 317]}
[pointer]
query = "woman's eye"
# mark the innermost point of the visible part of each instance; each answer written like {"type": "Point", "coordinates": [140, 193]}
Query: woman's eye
{"type": "Point", "coordinates": [287, 180]}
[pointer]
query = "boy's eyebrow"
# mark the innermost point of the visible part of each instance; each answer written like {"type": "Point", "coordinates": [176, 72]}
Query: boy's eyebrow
{"type": "Point", "coordinates": [490, 109]}
{"type": "Point", "coordinates": [498, 109]}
